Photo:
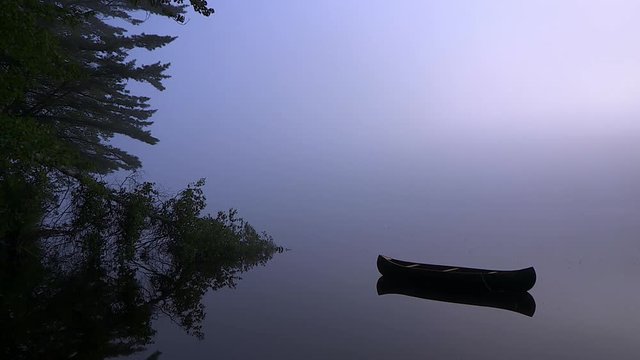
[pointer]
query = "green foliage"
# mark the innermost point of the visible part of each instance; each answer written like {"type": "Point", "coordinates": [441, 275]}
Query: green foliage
{"type": "Point", "coordinates": [28, 49]}
{"type": "Point", "coordinates": [65, 66]}
{"type": "Point", "coordinates": [200, 6]}
{"type": "Point", "coordinates": [110, 261]}
{"type": "Point", "coordinates": [85, 266]}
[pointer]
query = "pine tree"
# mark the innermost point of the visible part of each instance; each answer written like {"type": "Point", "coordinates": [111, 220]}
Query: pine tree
{"type": "Point", "coordinates": [86, 266]}
{"type": "Point", "coordinates": [65, 68]}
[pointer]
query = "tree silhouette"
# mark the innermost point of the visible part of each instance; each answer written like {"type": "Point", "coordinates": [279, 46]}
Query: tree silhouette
{"type": "Point", "coordinates": [91, 287]}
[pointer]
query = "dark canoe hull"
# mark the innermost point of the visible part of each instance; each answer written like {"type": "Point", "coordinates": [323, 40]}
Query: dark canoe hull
{"type": "Point", "coordinates": [520, 302]}
{"type": "Point", "coordinates": [458, 277]}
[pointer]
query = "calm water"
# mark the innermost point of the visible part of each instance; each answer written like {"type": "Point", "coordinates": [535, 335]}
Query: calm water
{"type": "Point", "coordinates": [567, 207]}
{"type": "Point", "coordinates": [486, 135]}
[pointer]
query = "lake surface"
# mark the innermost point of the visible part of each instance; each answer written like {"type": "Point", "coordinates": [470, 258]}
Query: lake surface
{"type": "Point", "coordinates": [485, 134]}
{"type": "Point", "coordinates": [488, 135]}
{"type": "Point", "coordinates": [568, 207]}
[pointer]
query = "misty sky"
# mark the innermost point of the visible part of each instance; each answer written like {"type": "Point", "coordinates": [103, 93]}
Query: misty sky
{"type": "Point", "coordinates": [535, 97]}
{"type": "Point", "coordinates": [495, 133]}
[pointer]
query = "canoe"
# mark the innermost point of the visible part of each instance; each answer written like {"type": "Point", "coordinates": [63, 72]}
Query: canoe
{"type": "Point", "coordinates": [521, 302]}
{"type": "Point", "coordinates": [458, 277]}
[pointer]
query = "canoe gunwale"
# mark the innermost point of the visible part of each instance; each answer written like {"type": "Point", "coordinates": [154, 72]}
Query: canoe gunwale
{"type": "Point", "coordinates": [447, 268]}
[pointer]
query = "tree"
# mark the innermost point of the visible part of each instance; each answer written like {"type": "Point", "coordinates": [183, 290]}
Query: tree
{"type": "Point", "coordinates": [83, 100]}
{"type": "Point", "coordinates": [114, 261]}
{"type": "Point", "coordinates": [65, 66]}
{"type": "Point", "coordinates": [85, 265]}
{"type": "Point", "coordinates": [64, 69]}
{"type": "Point", "coordinates": [63, 74]}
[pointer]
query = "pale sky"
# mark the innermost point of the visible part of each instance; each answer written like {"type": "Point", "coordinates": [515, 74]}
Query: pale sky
{"type": "Point", "coordinates": [275, 91]}
{"type": "Point", "coordinates": [481, 132]}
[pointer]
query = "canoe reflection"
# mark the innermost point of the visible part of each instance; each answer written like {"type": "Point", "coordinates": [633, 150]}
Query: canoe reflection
{"type": "Point", "coordinates": [520, 302]}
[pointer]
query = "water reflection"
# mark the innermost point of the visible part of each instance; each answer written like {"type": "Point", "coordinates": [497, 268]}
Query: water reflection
{"type": "Point", "coordinates": [520, 302]}
{"type": "Point", "coordinates": [85, 311]}
{"type": "Point", "coordinates": [90, 287]}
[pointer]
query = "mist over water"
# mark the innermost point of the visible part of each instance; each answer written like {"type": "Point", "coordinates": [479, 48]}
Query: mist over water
{"type": "Point", "coordinates": [493, 135]}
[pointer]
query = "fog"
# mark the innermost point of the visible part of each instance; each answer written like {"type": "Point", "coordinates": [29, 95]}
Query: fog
{"type": "Point", "coordinates": [496, 133]}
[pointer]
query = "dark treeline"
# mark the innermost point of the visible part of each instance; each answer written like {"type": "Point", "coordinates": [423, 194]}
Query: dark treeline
{"type": "Point", "coordinates": [86, 264]}
{"type": "Point", "coordinates": [92, 287]}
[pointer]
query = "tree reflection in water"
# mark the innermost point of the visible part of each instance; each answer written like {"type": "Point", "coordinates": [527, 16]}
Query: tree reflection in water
{"type": "Point", "coordinates": [91, 287]}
